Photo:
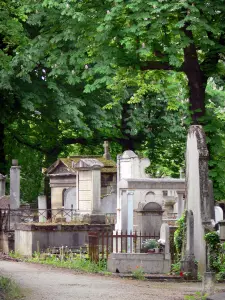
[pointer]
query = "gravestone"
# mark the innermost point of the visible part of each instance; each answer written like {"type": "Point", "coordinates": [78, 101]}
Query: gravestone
{"type": "Point", "coordinates": [150, 218]}
{"type": "Point", "coordinates": [197, 189]}
{"type": "Point", "coordinates": [165, 236]}
{"type": "Point", "coordinates": [218, 214]}
{"type": "Point", "coordinates": [42, 208]}
{"type": "Point", "coordinates": [188, 265]}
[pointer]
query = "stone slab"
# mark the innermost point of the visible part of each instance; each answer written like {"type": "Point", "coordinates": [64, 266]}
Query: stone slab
{"type": "Point", "coordinates": [63, 227]}
{"type": "Point", "coordinates": [220, 296]}
{"type": "Point", "coordinates": [128, 262]}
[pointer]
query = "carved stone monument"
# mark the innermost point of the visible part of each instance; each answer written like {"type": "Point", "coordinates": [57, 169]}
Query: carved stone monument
{"type": "Point", "coordinates": [197, 189]}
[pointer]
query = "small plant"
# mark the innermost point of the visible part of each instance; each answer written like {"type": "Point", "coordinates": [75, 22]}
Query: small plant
{"type": "Point", "coordinates": [179, 235]}
{"type": "Point", "coordinates": [9, 289]}
{"type": "Point", "coordinates": [196, 296]}
{"type": "Point", "coordinates": [138, 273]}
{"type": "Point", "coordinates": [175, 268]}
{"type": "Point", "coordinates": [150, 244]}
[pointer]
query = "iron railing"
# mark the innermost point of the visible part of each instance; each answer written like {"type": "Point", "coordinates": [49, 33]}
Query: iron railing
{"type": "Point", "coordinates": [8, 217]}
{"type": "Point", "coordinates": [101, 244]}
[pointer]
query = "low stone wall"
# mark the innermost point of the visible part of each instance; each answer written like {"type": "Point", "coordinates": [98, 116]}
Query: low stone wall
{"type": "Point", "coordinates": [128, 262]}
{"type": "Point", "coordinates": [28, 237]}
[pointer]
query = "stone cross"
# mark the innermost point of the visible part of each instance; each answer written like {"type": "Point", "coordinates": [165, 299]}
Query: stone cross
{"type": "Point", "coordinates": [106, 150]}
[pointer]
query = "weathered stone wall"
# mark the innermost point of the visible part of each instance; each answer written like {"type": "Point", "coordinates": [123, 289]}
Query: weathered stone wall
{"type": "Point", "coordinates": [128, 262]}
{"type": "Point", "coordinates": [28, 236]}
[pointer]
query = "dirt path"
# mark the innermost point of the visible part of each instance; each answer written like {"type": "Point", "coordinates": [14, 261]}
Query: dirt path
{"type": "Point", "coordinates": [45, 283]}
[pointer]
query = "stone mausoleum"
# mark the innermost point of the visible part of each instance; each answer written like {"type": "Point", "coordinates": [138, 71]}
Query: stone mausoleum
{"type": "Point", "coordinates": [86, 184]}
{"type": "Point", "coordinates": [98, 185]}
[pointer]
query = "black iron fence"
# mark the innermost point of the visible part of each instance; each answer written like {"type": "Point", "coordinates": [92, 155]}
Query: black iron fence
{"type": "Point", "coordinates": [8, 217]}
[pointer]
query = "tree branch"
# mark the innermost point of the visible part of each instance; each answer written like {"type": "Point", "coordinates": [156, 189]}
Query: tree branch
{"type": "Point", "coordinates": [159, 65]}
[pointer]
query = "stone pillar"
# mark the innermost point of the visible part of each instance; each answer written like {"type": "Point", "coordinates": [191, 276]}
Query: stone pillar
{"type": "Point", "coordinates": [165, 236]}
{"type": "Point", "coordinates": [42, 208]}
{"type": "Point", "coordinates": [211, 200]}
{"type": "Point", "coordinates": [2, 185]}
{"type": "Point", "coordinates": [208, 283]}
{"type": "Point", "coordinates": [106, 150]}
{"type": "Point", "coordinates": [180, 203]}
{"type": "Point", "coordinates": [96, 191]}
{"type": "Point", "coordinates": [130, 216]}
{"type": "Point", "coordinates": [188, 265]}
{"type": "Point", "coordinates": [89, 190]}
{"type": "Point", "coordinates": [197, 189]}
{"type": "Point", "coordinates": [15, 185]}
{"type": "Point", "coordinates": [222, 230]}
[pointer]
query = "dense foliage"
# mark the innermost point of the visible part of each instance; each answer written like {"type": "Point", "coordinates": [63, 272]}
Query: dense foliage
{"type": "Point", "coordinates": [137, 73]}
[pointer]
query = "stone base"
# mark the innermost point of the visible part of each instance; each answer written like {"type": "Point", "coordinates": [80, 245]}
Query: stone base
{"type": "Point", "coordinates": [220, 296]}
{"type": "Point", "coordinates": [189, 267]}
{"type": "Point", "coordinates": [93, 219]}
{"type": "Point", "coordinates": [208, 283]}
{"type": "Point", "coordinates": [128, 262]}
{"type": "Point", "coordinates": [4, 244]}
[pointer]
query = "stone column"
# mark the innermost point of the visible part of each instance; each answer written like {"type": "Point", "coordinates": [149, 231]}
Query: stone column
{"type": "Point", "coordinates": [15, 185]}
{"type": "Point", "coordinates": [42, 208]}
{"type": "Point", "coordinates": [2, 185]}
{"type": "Point", "coordinates": [222, 230]}
{"type": "Point", "coordinates": [130, 216]}
{"type": "Point", "coordinates": [96, 191]}
{"type": "Point", "coordinates": [180, 203]}
{"type": "Point", "coordinates": [165, 236]}
{"type": "Point", "coordinates": [188, 262]}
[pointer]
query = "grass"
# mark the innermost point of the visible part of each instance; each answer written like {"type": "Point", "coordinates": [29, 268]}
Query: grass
{"type": "Point", "coordinates": [9, 289]}
{"type": "Point", "coordinates": [196, 296]}
{"type": "Point", "coordinates": [79, 262]}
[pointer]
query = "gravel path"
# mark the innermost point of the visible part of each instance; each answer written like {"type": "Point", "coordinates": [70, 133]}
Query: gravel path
{"type": "Point", "coordinates": [46, 283]}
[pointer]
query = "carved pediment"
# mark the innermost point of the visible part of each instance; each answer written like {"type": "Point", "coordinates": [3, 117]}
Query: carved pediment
{"type": "Point", "coordinates": [61, 169]}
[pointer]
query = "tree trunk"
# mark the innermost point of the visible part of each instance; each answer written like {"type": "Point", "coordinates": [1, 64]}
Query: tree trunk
{"type": "Point", "coordinates": [2, 152]}
{"type": "Point", "coordinates": [196, 80]}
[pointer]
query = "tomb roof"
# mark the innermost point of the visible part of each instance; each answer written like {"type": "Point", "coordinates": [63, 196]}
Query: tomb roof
{"type": "Point", "coordinates": [2, 176]}
{"type": "Point", "coordinates": [108, 166]}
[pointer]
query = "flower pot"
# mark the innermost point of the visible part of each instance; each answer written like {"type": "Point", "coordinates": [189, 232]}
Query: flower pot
{"type": "Point", "coordinates": [151, 250]}
{"type": "Point", "coordinates": [156, 250]}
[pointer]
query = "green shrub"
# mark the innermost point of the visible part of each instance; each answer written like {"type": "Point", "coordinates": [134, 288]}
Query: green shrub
{"type": "Point", "coordinates": [196, 296]}
{"type": "Point", "coordinates": [9, 289]}
{"type": "Point", "coordinates": [179, 235]}
{"type": "Point", "coordinates": [150, 244]}
{"type": "Point", "coordinates": [138, 273]}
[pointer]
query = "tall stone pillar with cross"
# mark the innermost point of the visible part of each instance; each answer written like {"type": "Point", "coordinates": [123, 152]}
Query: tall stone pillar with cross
{"type": "Point", "coordinates": [106, 150]}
